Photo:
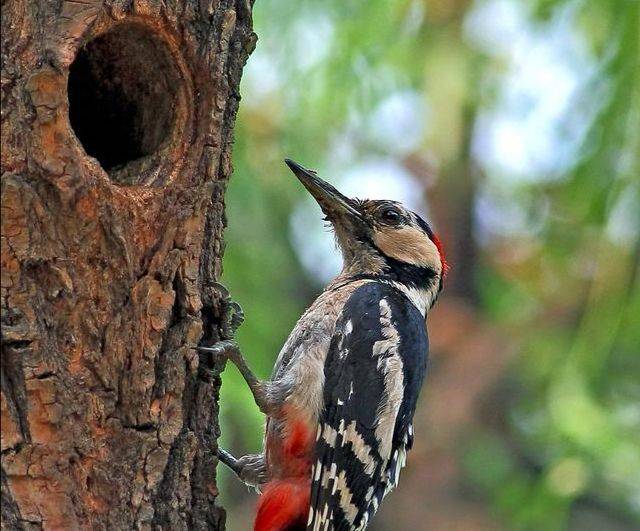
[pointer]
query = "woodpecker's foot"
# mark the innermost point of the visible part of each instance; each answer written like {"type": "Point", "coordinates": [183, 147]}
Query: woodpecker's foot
{"type": "Point", "coordinates": [251, 469]}
{"type": "Point", "coordinates": [231, 314]}
{"type": "Point", "coordinates": [230, 350]}
{"type": "Point", "coordinates": [222, 349]}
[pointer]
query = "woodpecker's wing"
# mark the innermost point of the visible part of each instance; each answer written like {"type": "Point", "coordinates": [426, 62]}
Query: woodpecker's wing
{"type": "Point", "coordinates": [373, 374]}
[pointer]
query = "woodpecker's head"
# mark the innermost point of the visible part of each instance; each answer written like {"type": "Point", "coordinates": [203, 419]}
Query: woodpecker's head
{"type": "Point", "coordinates": [380, 238]}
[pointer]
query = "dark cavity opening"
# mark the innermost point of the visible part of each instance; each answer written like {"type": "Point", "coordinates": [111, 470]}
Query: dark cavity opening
{"type": "Point", "coordinates": [122, 95]}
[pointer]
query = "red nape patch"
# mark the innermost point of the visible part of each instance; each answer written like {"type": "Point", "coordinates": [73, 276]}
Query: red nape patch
{"type": "Point", "coordinates": [284, 505]}
{"type": "Point", "coordinates": [445, 265]}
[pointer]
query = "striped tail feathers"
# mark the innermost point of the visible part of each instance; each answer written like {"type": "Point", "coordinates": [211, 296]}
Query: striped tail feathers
{"type": "Point", "coordinates": [284, 505]}
{"type": "Point", "coordinates": [390, 481]}
{"type": "Point", "coordinates": [343, 478]}
{"type": "Point", "coordinates": [319, 515]}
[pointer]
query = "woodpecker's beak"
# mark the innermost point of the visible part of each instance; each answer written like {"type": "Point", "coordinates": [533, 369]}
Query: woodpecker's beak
{"type": "Point", "coordinates": [337, 207]}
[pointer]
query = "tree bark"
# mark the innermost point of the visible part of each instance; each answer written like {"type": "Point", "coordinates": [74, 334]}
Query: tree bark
{"type": "Point", "coordinates": [117, 122]}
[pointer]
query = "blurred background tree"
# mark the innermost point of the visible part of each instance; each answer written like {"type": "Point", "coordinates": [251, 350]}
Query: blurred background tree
{"type": "Point", "coordinates": [515, 127]}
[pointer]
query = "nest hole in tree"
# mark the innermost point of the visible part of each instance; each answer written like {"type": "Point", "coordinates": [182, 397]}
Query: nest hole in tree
{"type": "Point", "coordinates": [123, 96]}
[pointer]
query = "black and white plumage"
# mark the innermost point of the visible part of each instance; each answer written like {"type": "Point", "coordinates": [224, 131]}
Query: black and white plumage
{"type": "Point", "coordinates": [373, 375]}
{"type": "Point", "coordinates": [343, 391]}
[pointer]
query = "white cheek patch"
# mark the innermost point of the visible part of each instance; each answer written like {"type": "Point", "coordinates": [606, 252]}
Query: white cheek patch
{"type": "Point", "coordinates": [409, 245]}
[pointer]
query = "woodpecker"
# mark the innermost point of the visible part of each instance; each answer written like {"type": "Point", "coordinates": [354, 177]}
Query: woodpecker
{"type": "Point", "coordinates": [343, 391]}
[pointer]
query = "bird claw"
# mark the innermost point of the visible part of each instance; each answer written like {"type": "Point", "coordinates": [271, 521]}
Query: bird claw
{"type": "Point", "coordinates": [231, 314]}
{"type": "Point", "coordinates": [253, 470]}
{"type": "Point", "coordinates": [222, 349]}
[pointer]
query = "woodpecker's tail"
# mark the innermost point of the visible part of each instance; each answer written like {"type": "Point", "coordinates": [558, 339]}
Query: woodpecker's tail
{"type": "Point", "coordinates": [284, 505]}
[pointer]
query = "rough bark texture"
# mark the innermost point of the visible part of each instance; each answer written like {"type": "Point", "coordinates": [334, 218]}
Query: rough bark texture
{"type": "Point", "coordinates": [117, 121]}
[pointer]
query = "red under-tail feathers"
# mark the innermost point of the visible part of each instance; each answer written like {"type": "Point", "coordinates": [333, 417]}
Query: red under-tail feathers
{"type": "Point", "coordinates": [284, 503]}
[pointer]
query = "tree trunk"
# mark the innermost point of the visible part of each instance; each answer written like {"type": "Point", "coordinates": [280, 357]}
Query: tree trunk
{"type": "Point", "coordinates": [117, 122]}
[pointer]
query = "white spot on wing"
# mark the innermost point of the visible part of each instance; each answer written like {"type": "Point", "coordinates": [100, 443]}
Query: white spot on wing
{"type": "Point", "coordinates": [360, 448]}
{"type": "Point", "coordinates": [329, 435]}
{"type": "Point", "coordinates": [348, 327]}
{"type": "Point", "coordinates": [369, 494]}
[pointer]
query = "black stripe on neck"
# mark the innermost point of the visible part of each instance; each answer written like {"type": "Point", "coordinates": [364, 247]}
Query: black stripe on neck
{"type": "Point", "coordinates": [408, 274]}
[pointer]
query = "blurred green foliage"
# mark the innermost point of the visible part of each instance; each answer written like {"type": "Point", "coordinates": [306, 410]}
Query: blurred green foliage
{"type": "Point", "coordinates": [558, 242]}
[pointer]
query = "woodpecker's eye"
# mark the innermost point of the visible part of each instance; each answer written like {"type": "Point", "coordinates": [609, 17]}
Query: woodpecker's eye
{"type": "Point", "coordinates": [391, 216]}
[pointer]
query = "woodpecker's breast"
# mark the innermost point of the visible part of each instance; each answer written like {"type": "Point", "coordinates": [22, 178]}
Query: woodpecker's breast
{"type": "Point", "coordinates": [298, 377]}
{"type": "Point", "coordinates": [299, 369]}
